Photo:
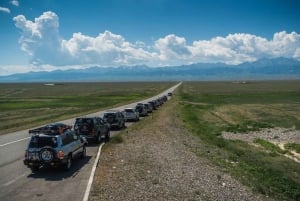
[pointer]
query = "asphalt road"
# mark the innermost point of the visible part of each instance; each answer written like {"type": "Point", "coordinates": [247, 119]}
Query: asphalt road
{"type": "Point", "coordinates": [18, 183]}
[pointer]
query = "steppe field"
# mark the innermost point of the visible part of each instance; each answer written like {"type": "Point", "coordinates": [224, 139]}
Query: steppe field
{"type": "Point", "coordinates": [25, 105]}
{"type": "Point", "coordinates": [249, 128]}
{"type": "Point", "coordinates": [210, 141]}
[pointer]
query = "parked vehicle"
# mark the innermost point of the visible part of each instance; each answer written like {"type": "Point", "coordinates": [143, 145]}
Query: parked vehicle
{"type": "Point", "coordinates": [131, 114]}
{"type": "Point", "coordinates": [148, 107]}
{"type": "Point", "coordinates": [114, 118]}
{"type": "Point", "coordinates": [165, 98]}
{"type": "Point", "coordinates": [153, 105]}
{"type": "Point", "coordinates": [54, 149]}
{"type": "Point", "coordinates": [141, 109]}
{"type": "Point", "coordinates": [92, 128]}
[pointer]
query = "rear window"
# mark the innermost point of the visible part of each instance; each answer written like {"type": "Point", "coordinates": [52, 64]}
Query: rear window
{"type": "Point", "coordinates": [129, 110]}
{"type": "Point", "coordinates": [42, 141]}
{"type": "Point", "coordinates": [109, 115]}
{"type": "Point", "coordinates": [82, 121]}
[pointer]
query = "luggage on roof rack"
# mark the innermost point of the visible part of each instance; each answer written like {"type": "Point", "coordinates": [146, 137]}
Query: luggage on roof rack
{"type": "Point", "coordinates": [51, 129]}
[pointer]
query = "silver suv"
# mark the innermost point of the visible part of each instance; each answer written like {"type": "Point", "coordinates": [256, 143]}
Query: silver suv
{"type": "Point", "coordinates": [54, 149]}
{"type": "Point", "coordinates": [115, 119]}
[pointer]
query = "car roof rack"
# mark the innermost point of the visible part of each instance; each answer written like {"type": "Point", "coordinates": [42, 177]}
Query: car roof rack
{"type": "Point", "coordinates": [49, 129]}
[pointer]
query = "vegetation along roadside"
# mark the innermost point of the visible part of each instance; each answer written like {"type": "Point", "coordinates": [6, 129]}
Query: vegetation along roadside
{"type": "Point", "coordinates": [210, 108]}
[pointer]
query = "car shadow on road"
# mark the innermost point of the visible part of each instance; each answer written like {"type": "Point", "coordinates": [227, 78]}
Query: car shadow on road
{"type": "Point", "coordinates": [58, 173]}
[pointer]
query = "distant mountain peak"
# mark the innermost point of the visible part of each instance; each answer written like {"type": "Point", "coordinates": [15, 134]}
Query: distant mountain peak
{"type": "Point", "coordinates": [275, 68]}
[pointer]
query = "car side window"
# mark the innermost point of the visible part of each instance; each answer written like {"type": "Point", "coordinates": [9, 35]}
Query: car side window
{"type": "Point", "coordinates": [67, 139]}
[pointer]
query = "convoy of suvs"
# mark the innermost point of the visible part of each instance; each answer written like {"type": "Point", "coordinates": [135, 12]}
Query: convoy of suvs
{"type": "Point", "coordinates": [57, 144]}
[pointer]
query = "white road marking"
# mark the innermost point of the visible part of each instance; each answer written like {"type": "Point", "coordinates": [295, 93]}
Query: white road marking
{"type": "Point", "coordinates": [14, 180]}
{"type": "Point", "coordinates": [2, 145]}
{"type": "Point", "coordinates": [90, 182]}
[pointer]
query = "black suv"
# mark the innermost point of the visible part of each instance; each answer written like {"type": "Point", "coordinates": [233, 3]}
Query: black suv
{"type": "Point", "coordinates": [54, 149]}
{"type": "Point", "coordinates": [114, 118]}
{"type": "Point", "coordinates": [92, 128]}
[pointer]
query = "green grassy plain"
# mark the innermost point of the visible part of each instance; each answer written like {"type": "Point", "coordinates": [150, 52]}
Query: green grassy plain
{"type": "Point", "coordinates": [209, 108]}
{"type": "Point", "coordinates": [31, 104]}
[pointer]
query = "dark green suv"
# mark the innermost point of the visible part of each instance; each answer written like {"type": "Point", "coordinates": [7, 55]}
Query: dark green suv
{"type": "Point", "coordinates": [92, 128]}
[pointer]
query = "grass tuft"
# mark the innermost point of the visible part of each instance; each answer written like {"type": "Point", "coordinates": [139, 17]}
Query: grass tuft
{"type": "Point", "coordinates": [293, 147]}
{"type": "Point", "coordinates": [117, 139]}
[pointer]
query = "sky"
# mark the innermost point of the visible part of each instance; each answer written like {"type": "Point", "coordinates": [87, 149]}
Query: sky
{"type": "Point", "coordinates": [45, 35]}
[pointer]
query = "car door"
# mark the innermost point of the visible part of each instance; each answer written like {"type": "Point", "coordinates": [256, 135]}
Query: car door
{"type": "Point", "coordinates": [71, 144]}
{"type": "Point", "coordinates": [76, 144]}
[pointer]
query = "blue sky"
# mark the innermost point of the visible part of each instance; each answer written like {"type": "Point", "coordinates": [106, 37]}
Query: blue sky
{"type": "Point", "coordinates": [60, 34]}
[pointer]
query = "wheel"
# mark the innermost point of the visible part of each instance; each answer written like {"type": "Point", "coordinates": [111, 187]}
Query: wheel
{"type": "Point", "coordinates": [68, 165]}
{"type": "Point", "coordinates": [46, 154]}
{"type": "Point", "coordinates": [107, 136]}
{"type": "Point", "coordinates": [83, 153]}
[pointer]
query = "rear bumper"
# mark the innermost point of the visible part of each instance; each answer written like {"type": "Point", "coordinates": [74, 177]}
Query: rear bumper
{"type": "Point", "coordinates": [131, 118]}
{"type": "Point", "coordinates": [37, 163]}
{"type": "Point", "coordinates": [88, 135]}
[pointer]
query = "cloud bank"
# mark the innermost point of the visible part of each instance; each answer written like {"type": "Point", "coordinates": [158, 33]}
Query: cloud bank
{"type": "Point", "coordinates": [41, 40]}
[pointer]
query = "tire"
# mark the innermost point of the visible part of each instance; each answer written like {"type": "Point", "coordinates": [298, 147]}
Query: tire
{"type": "Point", "coordinates": [83, 153]}
{"type": "Point", "coordinates": [68, 165]}
{"type": "Point", "coordinates": [46, 154]}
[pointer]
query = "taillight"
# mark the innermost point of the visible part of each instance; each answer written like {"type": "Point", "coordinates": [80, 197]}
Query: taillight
{"type": "Point", "coordinates": [93, 131]}
{"type": "Point", "coordinates": [60, 155]}
{"type": "Point", "coordinates": [26, 153]}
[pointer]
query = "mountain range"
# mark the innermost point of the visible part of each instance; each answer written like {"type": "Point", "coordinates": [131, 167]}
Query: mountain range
{"type": "Point", "coordinates": [263, 69]}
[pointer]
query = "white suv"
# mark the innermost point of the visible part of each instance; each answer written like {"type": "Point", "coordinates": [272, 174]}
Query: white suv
{"type": "Point", "coordinates": [131, 114]}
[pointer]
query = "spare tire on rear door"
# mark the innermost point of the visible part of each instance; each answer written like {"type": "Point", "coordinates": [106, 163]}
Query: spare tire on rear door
{"type": "Point", "coordinates": [47, 154]}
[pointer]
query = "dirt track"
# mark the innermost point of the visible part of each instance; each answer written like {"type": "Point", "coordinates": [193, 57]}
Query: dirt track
{"type": "Point", "coordinates": [156, 162]}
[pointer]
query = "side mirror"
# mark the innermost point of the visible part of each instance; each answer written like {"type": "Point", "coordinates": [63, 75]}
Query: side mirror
{"type": "Point", "coordinates": [83, 139]}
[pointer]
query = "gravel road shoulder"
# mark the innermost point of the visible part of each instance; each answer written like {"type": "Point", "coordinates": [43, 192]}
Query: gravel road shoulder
{"type": "Point", "coordinates": [154, 163]}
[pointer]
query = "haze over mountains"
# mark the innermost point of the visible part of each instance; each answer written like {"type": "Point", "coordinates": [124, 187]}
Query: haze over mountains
{"type": "Point", "coordinates": [263, 69]}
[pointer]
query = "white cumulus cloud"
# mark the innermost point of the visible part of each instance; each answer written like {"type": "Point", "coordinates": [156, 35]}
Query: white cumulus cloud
{"type": "Point", "coordinates": [15, 2]}
{"type": "Point", "coordinates": [40, 38]}
{"type": "Point", "coordinates": [3, 9]}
